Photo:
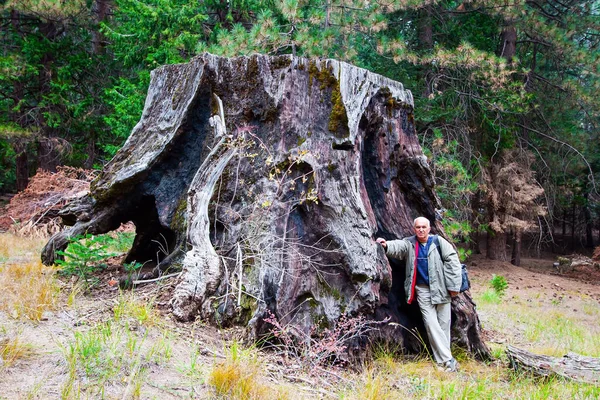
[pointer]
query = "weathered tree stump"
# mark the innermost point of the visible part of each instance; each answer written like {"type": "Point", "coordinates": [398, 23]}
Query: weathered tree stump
{"type": "Point", "coordinates": [571, 366]}
{"type": "Point", "coordinates": [266, 181]}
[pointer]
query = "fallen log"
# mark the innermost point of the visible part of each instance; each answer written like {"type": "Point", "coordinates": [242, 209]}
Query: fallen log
{"type": "Point", "coordinates": [571, 366]}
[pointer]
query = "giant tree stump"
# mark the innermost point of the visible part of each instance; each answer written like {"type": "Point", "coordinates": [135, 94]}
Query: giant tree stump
{"type": "Point", "coordinates": [266, 181]}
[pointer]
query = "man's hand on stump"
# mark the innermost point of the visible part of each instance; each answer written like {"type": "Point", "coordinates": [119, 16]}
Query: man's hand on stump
{"type": "Point", "coordinates": [382, 242]}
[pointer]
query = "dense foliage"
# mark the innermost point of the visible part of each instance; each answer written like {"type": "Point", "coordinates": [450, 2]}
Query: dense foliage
{"type": "Point", "coordinates": [504, 90]}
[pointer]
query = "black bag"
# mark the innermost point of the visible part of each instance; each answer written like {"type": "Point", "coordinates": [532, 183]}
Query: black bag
{"type": "Point", "coordinates": [465, 284]}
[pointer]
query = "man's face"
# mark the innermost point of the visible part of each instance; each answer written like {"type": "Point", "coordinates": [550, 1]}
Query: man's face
{"type": "Point", "coordinates": [422, 229]}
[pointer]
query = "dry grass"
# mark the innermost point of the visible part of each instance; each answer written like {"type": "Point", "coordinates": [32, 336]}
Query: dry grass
{"type": "Point", "coordinates": [475, 380]}
{"type": "Point", "coordinates": [374, 385]}
{"type": "Point", "coordinates": [19, 247]}
{"type": "Point", "coordinates": [28, 290]}
{"type": "Point", "coordinates": [130, 307]}
{"type": "Point", "coordinates": [238, 377]}
{"type": "Point", "coordinates": [11, 350]}
{"type": "Point", "coordinates": [29, 287]}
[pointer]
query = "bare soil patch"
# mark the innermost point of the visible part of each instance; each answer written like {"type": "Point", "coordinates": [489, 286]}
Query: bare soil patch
{"type": "Point", "coordinates": [538, 275]}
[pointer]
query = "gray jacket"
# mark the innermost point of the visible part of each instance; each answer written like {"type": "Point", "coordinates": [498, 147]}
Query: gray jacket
{"type": "Point", "coordinates": [444, 275]}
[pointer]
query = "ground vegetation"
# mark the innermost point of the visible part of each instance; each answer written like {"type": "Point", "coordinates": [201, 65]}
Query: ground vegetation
{"type": "Point", "coordinates": [59, 341]}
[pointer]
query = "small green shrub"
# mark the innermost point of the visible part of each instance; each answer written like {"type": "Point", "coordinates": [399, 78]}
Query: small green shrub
{"type": "Point", "coordinates": [133, 270]}
{"type": "Point", "coordinates": [499, 284]}
{"type": "Point", "coordinates": [83, 257]}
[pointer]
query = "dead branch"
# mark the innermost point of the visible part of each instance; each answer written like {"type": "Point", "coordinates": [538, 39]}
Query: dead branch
{"type": "Point", "coordinates": [571, 366]}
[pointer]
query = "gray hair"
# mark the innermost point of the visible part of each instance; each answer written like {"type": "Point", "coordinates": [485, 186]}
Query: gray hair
{"type": "Point", "coordinates": [418, 218]}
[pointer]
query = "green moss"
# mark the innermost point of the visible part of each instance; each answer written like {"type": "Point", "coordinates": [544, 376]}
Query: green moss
{"type": "Point", "coordinates": [312, 72]}
{"type": "Point", "coordinates": [324, 75]}
{"type": "Point", "coordinates": [248, 306]}
{"type": "Point", "coordinates": [390, 102]}
{"type": "Point", "coordinates": [178, 94]}
{"type": "Point", "coordinates": [320, 322]}
{"type": "Point", "coordinates": [327, 289]}
{"type": "Point", "coordinates": [336, 294]}
{"type": "Point", "coordinates": [338, 117]}
{"type": "Point", "coordinates": [179, 221]}
{"type": "Point", "coordinates": [385, 91]}
{"type": "Point", "coordinates": [281, 62]}
{"type": "Point", "coordinates": [331, 167]}
{"type": "Point", "coordinates": [214, 105]}
{"type": "Point", "coordinates": [301, 141]}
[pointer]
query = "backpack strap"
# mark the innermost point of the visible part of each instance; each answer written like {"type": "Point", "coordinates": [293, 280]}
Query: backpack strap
{"type": "Point", "coordinates": [466, 283]}
{"type": "Point", "coordinates": [436, 240]}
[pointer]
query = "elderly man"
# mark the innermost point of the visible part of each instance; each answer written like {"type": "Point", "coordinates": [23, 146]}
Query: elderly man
{"type": "Point", "coordinates": [434, 280]}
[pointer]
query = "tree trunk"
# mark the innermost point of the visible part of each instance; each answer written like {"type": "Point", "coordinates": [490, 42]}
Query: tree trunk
{"type": "Point", "coordinates": [573, 222]}
{"type": "Point", "coordinates": [22, 167]}
{"type": "Point", "coordinates": [496, 246]}
{"type": "Point", "coordinates": [49, 154]}
{"type": "Point", "coordinates": [516, 248]}
{"type": "Point", "coordinates": [90, 151]}
{"type": "Point", "coordinates": [475, 222]}
{"type": "Point", "coordinates": [508, 43]}
{"type": "Point", "coordinates": [564, 227]}
{"type": "Point", "coordinates": [589, 223]}
{"type": "Point", "coordinates": [547, 232]}
{"type": "Point", "coordinates": [266, 180]}
{"type": "Point", "coordinates": [466, 326]}
{"type": "Point", "coordinates": [426, 43]}
{"type": "Point", "coordinates": [101, 9]}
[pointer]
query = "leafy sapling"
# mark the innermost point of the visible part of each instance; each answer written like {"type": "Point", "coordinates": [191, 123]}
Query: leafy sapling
{"type": "Point", "coordinates": [83, 256]}
{"type": "Point", "coordinates": [499, 284]}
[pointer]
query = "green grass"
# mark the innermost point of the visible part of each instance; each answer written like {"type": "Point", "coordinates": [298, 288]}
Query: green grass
{"type": "Point", "coordinates": [111, 354]}
{"type": "Point", "coordinates": [559, 334]}
{"type": "Point", "coordinates": [490, 296]}
{"type": "Point", "coordinates": [129, 307]}
{"type": "Point", "coordinates": [591, 308]}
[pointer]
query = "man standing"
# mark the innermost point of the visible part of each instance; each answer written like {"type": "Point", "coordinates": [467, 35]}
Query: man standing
{"type": "Point", "coordinates": [434, 280]}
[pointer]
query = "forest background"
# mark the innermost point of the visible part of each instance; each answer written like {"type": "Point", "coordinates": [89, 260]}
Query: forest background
{"type": "Point", "coordinates": [505, 92]}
